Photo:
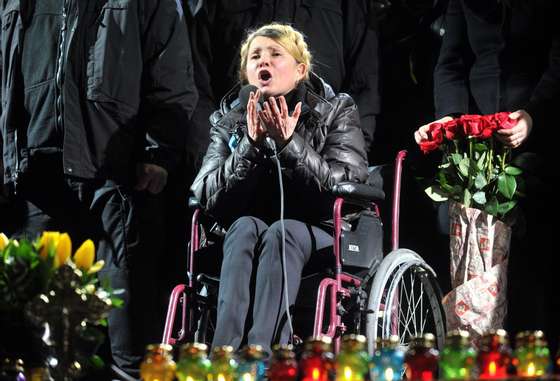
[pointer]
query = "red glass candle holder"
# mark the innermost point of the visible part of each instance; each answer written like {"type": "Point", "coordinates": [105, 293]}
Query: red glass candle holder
{"type": "Point", "coordinates": [422, 358]}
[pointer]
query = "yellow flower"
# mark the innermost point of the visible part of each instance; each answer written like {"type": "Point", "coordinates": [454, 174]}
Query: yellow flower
{"type": "Point", "coordinates": [3, 241]}
{"type": "Point", "coordinates": [47, 240]}
{"type": "Point", "coordinates": [83, 258]}
{"type": "Point", "coordinates": [63, 250]}
{"type": "Point", "coordinates": [96, 267]}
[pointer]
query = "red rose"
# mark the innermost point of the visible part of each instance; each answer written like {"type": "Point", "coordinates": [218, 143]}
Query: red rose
{"type": "Point", "coordinates": [500, 117]}
{"type": "Point", "coordinates": [435, 132]}
{"type": "Point", "coordinates": [472, 125]}
{"type": "Point", "coordinates": [489, 125]}
{"type": "Point", "coordinates": [478, 126]}
{"type": "Point", "coordinates": [452, 128]}
{"type": "Point", "coordinates": [504, 121]}
{"type": "Point", "coordinates": [427, 146]}
{"type": "Point", "coordinates": [435, 138]}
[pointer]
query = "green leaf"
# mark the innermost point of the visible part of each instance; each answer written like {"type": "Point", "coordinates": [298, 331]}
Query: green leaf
{"type": "Point", "coordinates": [479, 198]}
{"type": "Point", "coordinates": [447, 189]}
{"type": "Point", "coordinates": [456, 158]}
{"type": "Point", "coordinates": [96, 362]}
{"type": "Point", "coordinates": [507, 185]}
{"type": "Point", "coordinates": [444, 165]}
{"type": "Point", "coordinates": [464, 166]}
{"type": "Point", "coordinates": [117, 302]}
{"type": "Point", "coordinates": [467, 198]}
{"type": "Point", "coordinates": [480, 147]}
{"type": "Point", "coordinates": [492, 207]}
{"type": "Point", "coordinates": [436, 193]}
{"type": "Point", "coordinates": [442, 178]}
{"type": "Point", "coordinates": [480, 181]}
{"type": "Point", "coordinates": [505, 207]}
{"type": "Point", "coordinates": [513, 171]}
{"type": "Point", "coordinates": [480, 164]}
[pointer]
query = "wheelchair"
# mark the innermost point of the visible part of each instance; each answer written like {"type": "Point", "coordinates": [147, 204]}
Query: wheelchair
{"type": "Point", "coordinates": [365, 292]}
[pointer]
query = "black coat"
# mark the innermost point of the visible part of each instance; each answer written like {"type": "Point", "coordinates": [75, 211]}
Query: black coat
{"type": "Point", "coordinates": [500, 56]}
{"type": "Point", "coordinates": [327, 147]}
{"type": "Point", "coordinates": [135, 86]}
{"type": "Point", "coordinates": [344, 49]}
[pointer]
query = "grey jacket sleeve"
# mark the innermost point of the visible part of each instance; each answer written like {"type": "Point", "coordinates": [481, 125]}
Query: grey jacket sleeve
{"type": "Point", "coordinates": [169, 94]}
{"type": "Point", "coordinates": [342, 157]}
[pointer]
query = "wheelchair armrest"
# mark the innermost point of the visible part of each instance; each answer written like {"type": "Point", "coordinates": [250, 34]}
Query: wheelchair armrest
{"type": "Point", "coordinates": [194, 203]}
{"type": "Point", "coordinates": [358, 192]}
{"type": "Point", "coordinates": [209, 281]}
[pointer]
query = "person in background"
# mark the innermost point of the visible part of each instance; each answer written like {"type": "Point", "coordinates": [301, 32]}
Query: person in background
{"type": "Point", "coordinates": [318, 141]}
{"type": "Point", "coordinates": [95, 95]}
{"type": "Point", "coordinates": [504, 55]}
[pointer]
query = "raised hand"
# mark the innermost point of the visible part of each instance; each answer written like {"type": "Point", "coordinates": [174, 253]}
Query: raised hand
{"type": "Point", "coordinates": [278, 122]}
{"type": "Point", "coordinates": [256, 130]}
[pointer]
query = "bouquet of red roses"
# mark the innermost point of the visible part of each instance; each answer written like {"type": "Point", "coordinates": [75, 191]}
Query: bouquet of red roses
{"type": "Point", "coordinates": [476, 169]}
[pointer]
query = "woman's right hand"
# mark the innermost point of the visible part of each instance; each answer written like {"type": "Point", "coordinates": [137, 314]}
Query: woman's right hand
{"type": "Point", "coordinates": [255, 128]}
{"type": "Point", "coordinates": [422, 132]}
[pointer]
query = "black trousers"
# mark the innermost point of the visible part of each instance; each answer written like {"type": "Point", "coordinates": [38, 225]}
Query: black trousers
{"type": "Point", "coordinates": [127, 229]}
{"type": "Point", "coordinates": [253, 261]}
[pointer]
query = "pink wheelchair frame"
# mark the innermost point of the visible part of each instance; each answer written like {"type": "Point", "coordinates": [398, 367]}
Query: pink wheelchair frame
{"type": "Point", "coordinates": [335, 287]}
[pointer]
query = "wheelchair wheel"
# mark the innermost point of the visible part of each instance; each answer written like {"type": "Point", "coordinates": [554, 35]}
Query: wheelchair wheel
{"type": "Point", "coordinates": [404, 300]}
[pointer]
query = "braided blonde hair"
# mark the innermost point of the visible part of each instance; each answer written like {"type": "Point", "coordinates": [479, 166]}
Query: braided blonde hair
{"type": "Point", "coordinates": [283, 34]}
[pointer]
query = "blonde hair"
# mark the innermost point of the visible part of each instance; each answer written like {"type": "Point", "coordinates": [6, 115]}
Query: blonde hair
{"type": "Point", "coordinates": [290, 39]}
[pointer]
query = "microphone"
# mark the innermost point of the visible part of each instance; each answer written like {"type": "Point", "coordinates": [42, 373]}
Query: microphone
{"type": "Point", "coordinates": [244, 95]}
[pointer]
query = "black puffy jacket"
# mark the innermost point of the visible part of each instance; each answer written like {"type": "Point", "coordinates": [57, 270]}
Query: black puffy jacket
{"type": "Point", "coordinates": [240, 179]}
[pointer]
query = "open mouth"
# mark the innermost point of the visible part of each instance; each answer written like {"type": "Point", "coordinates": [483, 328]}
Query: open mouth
{"type": "Point", "coordinates": [264, 75]}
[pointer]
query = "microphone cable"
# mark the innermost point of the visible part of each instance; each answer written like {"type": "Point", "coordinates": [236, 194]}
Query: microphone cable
{"type": "Point", "coordinates": [271, 144]}
{"type": "Point", "coordinates": [244, 95]}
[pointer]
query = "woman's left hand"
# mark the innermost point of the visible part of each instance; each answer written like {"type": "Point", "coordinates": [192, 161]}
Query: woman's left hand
{"type": "Point", "coordinates": [515, 136]}
{"type": "Point", "coordinates": [277, 120]}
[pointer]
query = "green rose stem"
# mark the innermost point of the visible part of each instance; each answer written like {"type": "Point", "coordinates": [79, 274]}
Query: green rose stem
{"type": "Point", "coordinates": [471, 167]}
{"type": "Point", "coordinates": [503, 158]}
{"type": "Point", "coordinates": [490, 161]}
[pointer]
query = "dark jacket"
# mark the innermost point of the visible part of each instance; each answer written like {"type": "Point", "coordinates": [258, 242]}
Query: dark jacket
{"type": "Point", "coordinates": [327, 147]}
{"type": "Point", "coordinates": [134, 75]}
{"type": "Point", "coordinates": [499, 56]}
{"type": "Point", "coordinates": [344, 49]}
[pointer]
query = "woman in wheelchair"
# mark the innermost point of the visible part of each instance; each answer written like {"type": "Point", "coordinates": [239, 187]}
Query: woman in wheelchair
{"type": "Point", "coordinates": [316, 137]}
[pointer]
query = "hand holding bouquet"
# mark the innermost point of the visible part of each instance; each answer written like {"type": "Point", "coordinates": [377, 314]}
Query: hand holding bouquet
{"type": "Point", "coordinates": [476, 169]}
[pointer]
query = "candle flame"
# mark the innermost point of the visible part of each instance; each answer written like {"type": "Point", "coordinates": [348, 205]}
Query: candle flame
{"type": "Point", "coordinates": [389, 374]}
{"type": "Point", "coordinates": [531, 369]}
{"type": "Point", "coordinates": [247, 377]}
{"type": "Point", "coordinates": [314, 374]}
{"type": "Point", "coordinates": [492, 368]}
{"type": "Point", "coordinates": [347, 373]}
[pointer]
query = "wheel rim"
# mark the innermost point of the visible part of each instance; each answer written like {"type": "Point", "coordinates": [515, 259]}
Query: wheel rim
{"type": "Point", "coordinates": [384, 284]}
{"type": "Point", "coordinates": [412, 306]}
